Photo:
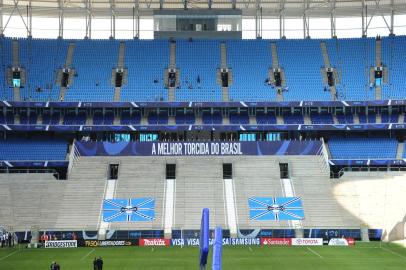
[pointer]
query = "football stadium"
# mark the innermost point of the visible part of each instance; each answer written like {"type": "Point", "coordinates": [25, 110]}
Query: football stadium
{"type": "Point", "coordinates": [191, 134]}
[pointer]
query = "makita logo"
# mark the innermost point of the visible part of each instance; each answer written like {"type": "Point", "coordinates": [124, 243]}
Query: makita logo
{"type": "Point", "coordinates": [154, 242]}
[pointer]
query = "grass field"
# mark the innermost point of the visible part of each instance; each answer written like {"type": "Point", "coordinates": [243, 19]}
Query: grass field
{"type": "Point", "coordinates": [369, 256]}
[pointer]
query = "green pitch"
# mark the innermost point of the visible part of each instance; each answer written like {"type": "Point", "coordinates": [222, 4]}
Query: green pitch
{"type": "Point", "coordinates": [368, 256]}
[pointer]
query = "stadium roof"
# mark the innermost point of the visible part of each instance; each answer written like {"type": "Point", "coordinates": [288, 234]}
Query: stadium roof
{"type": "Point", "coordinates": [270, 8]}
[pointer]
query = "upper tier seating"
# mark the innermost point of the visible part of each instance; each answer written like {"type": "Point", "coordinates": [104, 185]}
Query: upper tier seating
{"type": "Point", "coordinates": [249, 61]}
{"type": "Point", "coordinates": [393, 56]}
{"type": "Point", "coordinates": [5, 60]}
{"type": "Point", "coordinates": [362, 148]}
{"type": "Point", "coordinates": [353, 57]}
{"type": "Point", "coordinates": [33, 149]}
{"type": "Point", "coordinates": [302, 60]}
{"type": "Point", "coordinates": [93, 61]}
{"type": "Point", "coordinates": [146, 62]}
{"type": "Point", "coordinates": [198, 62]}
{"type": "Point", "coordinates": [42, 59]}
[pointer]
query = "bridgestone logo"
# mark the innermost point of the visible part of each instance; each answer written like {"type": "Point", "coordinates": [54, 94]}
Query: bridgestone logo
{"type": "Point", "coordinates": [61, 244]}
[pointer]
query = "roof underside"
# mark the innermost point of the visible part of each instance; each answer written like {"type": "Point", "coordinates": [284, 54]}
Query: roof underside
{"type": "Point", "coordinates": [270, 8]}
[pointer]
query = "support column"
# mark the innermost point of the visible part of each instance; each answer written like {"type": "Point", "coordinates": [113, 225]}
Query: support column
{"type": "Point", "coordinates": [1, 19]}
{"type": "Point", "coordinates": [258, 20]}
{"type": "Point", "coordinates": [61, 18]}
{"type": "Point", "coordinates": [136, 20]}
{"type": "Point", "coordinates": [29, 19]}
{"type": "Point", "coordinates": [364, 18]}
{"type": "Point", "coordinates": [392, 19]}
{"type": "Point", "coordinates": [333, 20]}
{"type": "Point", "coordinates": [112, 19]}
{"type": "Point", "coordinates": [88, 19]}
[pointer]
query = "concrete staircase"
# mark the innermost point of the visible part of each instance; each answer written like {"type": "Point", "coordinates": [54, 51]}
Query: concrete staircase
{"type": "Point", "coordinates": [401, 118]}
{"type": "Point", "coordinates": [68, 64]}
{"type": "Point", "coordinates": [223, 65]}
{"type": "Point", "coordinates": [172, 65]}
{"type": "Point", "coordinates": [275, 65]}
{"type": "Point", "coordinates": [120, 65]}
{"type": "Point", "coordinates": [327, 64]}
{"type": "Point", "coordinates": [307, 119]}
{"type": "Point", "coordinates": [81, 203]}
{"type": "Point", "coordinates": [400, 149]}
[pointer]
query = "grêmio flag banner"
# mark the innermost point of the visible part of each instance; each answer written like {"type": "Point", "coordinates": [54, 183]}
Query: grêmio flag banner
{"type": "Point", "coordinates": [212, 148]}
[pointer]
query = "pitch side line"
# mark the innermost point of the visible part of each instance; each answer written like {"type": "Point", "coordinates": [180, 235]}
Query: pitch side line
{"type": "Point", "coordinates": [315, 253]}
{"type": "Point", "coordinates": [9, 255]}
{"type": "Point", "coordinates": [394, 253]}
{"type": "Point", "coordinates": [90, 252]}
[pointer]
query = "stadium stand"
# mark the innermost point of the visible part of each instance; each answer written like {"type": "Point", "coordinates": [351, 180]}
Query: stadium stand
{"type": "Point", "coordinates": [198, 62]}
{"type": "Point", "coordinates": [146, 62]}
{"type": "Point", "coordinates": [304, 82]}
{"type": "Point", "coordinates": [393, 54]}
{"type": "Point", "coordinates": [243, 57]}
{"type": "Point", "coordinates": [42, 59]}
{"type": "Point", "coordinates": [362, 148]}
{"type": "Point", "coordinates": [33, 149]}
{"type": "Point", "coordinates": [92, 81]}
{"type": "Point", "coordinates": [5, 61]}
{"type": "Point", "coordinates": [352, 58]}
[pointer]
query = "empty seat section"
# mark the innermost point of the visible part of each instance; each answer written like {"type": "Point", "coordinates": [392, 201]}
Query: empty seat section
{"type": "Point", "coordinates": [6, 93]}
{"type": "Point", "coordinates": [363, 148]}
{"type": "Point", "coordinates": [33, 149]}
{"type": "Point", "coordinates": [198, 61]}
{"type": "Point", "coordinates": [393, 56]}
{"type": "Point", "coordinates": [146, 61]}
{"type": "Point", "coordinates": [293, 119]}
{"type": "Point", "coordinates": [93, 61]}
{"type": "Point", "coordinates": [41, 59]}
{"type": "Point", "coordinates": [239, 118]}
{"type": "Point", "coordinates": [249, 61]}
{"type": "Point", "coordinates": [186, 118]}
{"type": "Point", "coordinates": [347, 118]}
{"type": "Point", "coordinates": [301, 60]}
{"type": "Point", "coordinates": [353, 57]}
{"type": "Point", "coordinates": [128, 118]}
{"type": "Point", "coordinates": [323, 118]}
{"type": "Point", "coordinates": [266, 118]}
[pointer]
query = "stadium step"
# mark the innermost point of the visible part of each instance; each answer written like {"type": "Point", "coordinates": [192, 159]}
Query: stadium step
{"type": "Point", "coordinates": [378, 52]}
{"type": "Point", "coordinates": [400, 149]}
{"type": "Point", "coordinates": [378, 118]}
{"type": "Point", "coordinates": [356, 119]}
{"type": "Point", "coordinates": [16, 94]}
{"type": "Point", "coordinates": [401, 118]}
{"type": "Point", "coordinates": [121, 55]}
{"type": "Point", "coordinates": [16, 53]}
{"type": "Point", "coordinates": [117, 93]}
{"type": "Point", "coordinates": [307, 119]}
{"type": "Point", "coordinates": [223, 52]}
{"type": "Point", "coordinates": [253, 120]}
{"type": "Point", "coordinates": [378, 92]}
{"type": "Point", "coordinates": [335, 119]}
{"type": "Point", "coordinates": [279, 120]}
{"type": "Point", "coordinates": [172, 56]}
{"type": "Point", "coordinates": [275, 59]}
{"type": "Point", "coordinates": [69, 55]}
{"type": "Point", "coordinates": [324, 52]}
{"type": "Point", "coordinates": [171, 94]}
{"type": "Point", "coordinates": [226, 95]}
